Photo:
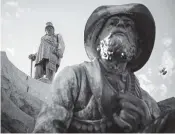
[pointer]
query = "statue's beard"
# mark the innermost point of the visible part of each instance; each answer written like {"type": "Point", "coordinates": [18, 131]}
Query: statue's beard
{"type": "Point", "coordinates": [118, 47]}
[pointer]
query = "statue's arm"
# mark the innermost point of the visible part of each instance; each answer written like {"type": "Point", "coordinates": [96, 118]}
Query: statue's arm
{"type": "Point", "coordinates": [33, 56]}
{"type": "Point", "coordinates": [61, 46]}
{"type": "Point", "coordinates": [57, 114]}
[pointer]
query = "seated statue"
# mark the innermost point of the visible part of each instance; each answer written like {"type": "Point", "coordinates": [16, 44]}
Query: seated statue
{"type": "Point", "coordinates": [104, 95]}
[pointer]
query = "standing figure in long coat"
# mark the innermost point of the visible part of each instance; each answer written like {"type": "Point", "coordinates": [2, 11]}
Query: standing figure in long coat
{"type": "Point", "coordinates": [104, 95]}
{"type": "Point", "coordinates": [49, 53]}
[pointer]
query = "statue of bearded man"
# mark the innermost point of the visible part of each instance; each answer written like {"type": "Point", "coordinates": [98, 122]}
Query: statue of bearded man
{"type": "Point", "coordinates": [104, 95]}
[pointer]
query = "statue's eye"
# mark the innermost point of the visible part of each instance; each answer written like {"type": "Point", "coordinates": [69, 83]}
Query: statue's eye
{"type": "Point", "coordinates": [112, 23]}
{"type": "Point", "coordinates": [116, 21]}
{"type": "Point", "coordinates": [128, 23]}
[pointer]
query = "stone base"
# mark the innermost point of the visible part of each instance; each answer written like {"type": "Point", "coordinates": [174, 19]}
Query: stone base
{"type": "Point", "coordinates": [21, 98]}
{"type": "Point", "coordinates": [45, 80]}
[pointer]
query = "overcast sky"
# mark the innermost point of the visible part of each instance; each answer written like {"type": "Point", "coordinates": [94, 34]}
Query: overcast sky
{"type": "Point", "coordinates": [23, 23]}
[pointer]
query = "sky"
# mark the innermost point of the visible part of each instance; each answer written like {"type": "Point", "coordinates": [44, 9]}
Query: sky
{"type": "Point", "coordinates": [23, 25]}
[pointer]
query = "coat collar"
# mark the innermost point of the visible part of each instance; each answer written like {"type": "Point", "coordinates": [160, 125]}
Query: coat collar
{"type": "Point", "coordinates": [100, 88]}
{"type": "Point", "coordinates": [93, 71]}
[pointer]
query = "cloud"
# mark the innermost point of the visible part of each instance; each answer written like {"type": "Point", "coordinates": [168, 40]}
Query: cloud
{"type": "Point", "coordinates": [1, 48]}
{"type": "Point", "coordinates": [163, 90]}
{"type": "Point", "coordinates": [7, 14]}
{"type": "Point", "coordinates": [158, 92]}
{"type": "Point", "coordinates": [13, 9]}
{"type": "Point", "coordinates": [17, 15]}
{"type": "Point", "coordinates": [144, 78]}
{"type": "Point", "coordinates": [150, 88]}
{"type": "Point", "coordinates": [29, 9]}
{"type": "Point", "coordinates": [35, 48]}
{"type": "Point", "coordinates": [9, 36]}
{"type": "Point", "coordinates": [12, 3]}
{"type": "Point", "coordinates": [167, 41]}
{"type": "Point", "coordinates": [149, 72]}
{"type": "Point", "coordinates": [146, 84]}
{"type": "Point", "coordinates": [2, 20]}
{"type": "Point", "coordinates": [20, 10]}
{"type": "Point", "coordinates": [11, 51]}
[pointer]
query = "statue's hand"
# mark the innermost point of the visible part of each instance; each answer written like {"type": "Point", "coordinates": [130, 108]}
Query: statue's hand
{"type": "Point", "coordinates": [32, 57]}
{"type": "Point", "coordinates": [127, 120]}
{"type": "Point", "coordinates": [54, 51]}
{"type": "Point", "coordinates": [57, 53]}
{"type": "Point", "coordinates": [134, 112]}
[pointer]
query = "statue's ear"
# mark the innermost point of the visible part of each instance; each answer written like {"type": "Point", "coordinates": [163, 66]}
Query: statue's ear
{"type": "Point", "coordinates": [139, 51]}
{"type": "Point", "coordinates": [98, 48]}
{"type": "Point", "coordinates": [98, 44]}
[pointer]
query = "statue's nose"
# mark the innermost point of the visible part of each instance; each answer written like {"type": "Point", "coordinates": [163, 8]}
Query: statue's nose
{"type": "Point", "coordinates": [120, 23]}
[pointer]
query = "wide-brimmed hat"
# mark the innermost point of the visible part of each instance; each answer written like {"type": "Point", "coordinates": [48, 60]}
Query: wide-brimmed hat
{"type": "Point", "coordinates": [144, 23]}
{"type": "Point", "coordinates": [49, 24]}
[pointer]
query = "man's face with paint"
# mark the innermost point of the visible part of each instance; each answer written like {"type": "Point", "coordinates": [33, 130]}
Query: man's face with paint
{"type": "Point", "coordinates": [118, 39]}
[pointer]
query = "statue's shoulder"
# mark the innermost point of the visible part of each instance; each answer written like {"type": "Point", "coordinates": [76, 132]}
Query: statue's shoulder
{"type": "Point", "coordinates": [77, 68]}
{"type": "Point", "coordinates": [44, 37]}
{"type": "Point", "coordinates": [58, 35]}
{"type": "Point", "coordinates": [91, 64]}
{"type": "Point", "coordinates": [82, 68]}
